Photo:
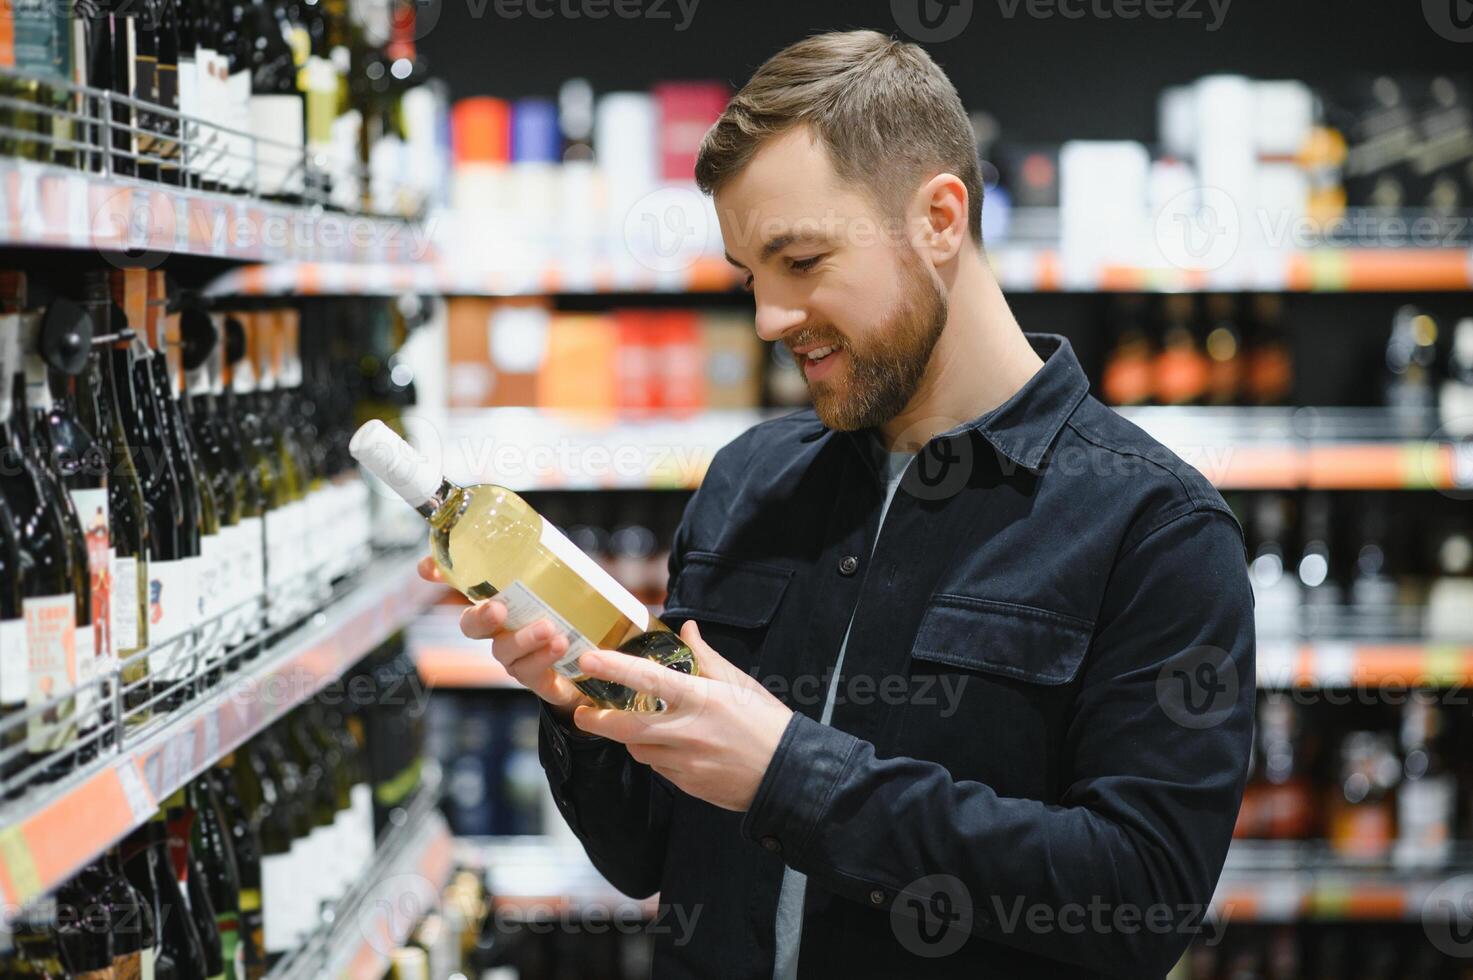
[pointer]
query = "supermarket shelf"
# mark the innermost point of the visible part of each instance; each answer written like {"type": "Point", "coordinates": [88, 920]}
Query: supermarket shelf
{"type": "Point", "coordinates": [42, 205]}
{"type": "Point", "coordinates": [1019, 268]}
{"type": "Point", "coordinates": [49, 834]}
{"type": "Point", "coordinates": [533, 449]}
{"type": "Point", "coordinates": [1280, 665]}
{"type": "Point", "coordinates": [530, 278]}
{"type": "Point", "coordinates": [1262, 881]}
{"type": "Point", "coordinates": [1326, 269]}
{"type": "Point", "coordinates": [534, 876]}
{"type": "Point", "coordinates": [410, 871]}
{"type": "Point", "coordinates": [1235, 448]}
{"type": "Point", "coordinates": [1269, 882]}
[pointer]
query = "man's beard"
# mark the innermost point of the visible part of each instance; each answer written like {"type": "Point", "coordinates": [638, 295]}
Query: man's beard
{"type": "Point", "coordinates": [882, 376]}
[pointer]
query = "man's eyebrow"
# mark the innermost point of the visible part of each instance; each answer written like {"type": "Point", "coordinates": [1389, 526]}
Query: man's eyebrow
{"type": "Point", "coordinates": [779, 242]}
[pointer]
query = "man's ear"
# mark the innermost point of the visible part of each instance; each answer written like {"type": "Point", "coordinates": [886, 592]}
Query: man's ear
{"type": "Point", "coordinates": [941, 212]}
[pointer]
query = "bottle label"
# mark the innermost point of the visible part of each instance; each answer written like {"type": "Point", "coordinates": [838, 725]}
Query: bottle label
{"type": "Point", "coordinates": [276, 125]}
{"type": "Point", "coordinates": [589, 570]}
{"type": "Point", "coordinates": [123, 605]}
{"type": "Point", "coordinates": [51, 648]}
{"type": "Point", "coordinates": [92, 511]}
{"type": "Point", "coordinates": [279, 912]}
{"type": "Point", "coordinates": [272, 523]}
{"type": "Point", "coordinates": [252, 554]}
{"type": "Point", "coordinates": [173, 601]}
{"type": "Point", "coordinates": [211, 561]}
{"type": "Point", "coordinates": [523, 607]}
{"type": "Point", "coordinates": [13, 663]}
{"type": "Point", "coordinates": [238, 118]}
{"type": "Point", "coordinates": [228, 925]}
{"type": "Point", "coordinates": [86, 701]}
{"type": "Point", "coordinates": [360, 817]}
{"type": "Point", "coordinates": [322, 104]}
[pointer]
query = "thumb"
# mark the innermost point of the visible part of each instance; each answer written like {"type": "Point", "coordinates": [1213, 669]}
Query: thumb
{"type": "Point", "coordinates": [711, 663]}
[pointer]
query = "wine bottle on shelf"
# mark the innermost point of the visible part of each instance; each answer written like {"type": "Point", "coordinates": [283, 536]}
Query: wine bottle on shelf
{"type": "Point", "coordinates": [201, 350]}
{"type": "Point", "coordinates": [240, 823]}
{"type": "Point", "coordinates": [178, 619]}
{"type": "Point", "coordinates": [280, 820]}
{"type": "Point", "coordinates": [237, 42]}
{"type": "Point", "coordinates": [189, 878]}
{"type": "Point", "coordinates": [1270, 355]}
{"type": "Point", "coordinates": [249, 492]}
{"type": "Point", "coordinates": [213, 559]}
{"type": "Point", "coordinates": [13, 658]}
{"type": "Point", "coordinates": [166, 92]}
{"type": "Point", "coordinates": [53, 462]}
{"type": "Point", "coordinates": [297, 437]}
{"type": "Point", "coordinates": [49, 602]}
{"type": "Point", "coordinates": [64, 336]}
{"type": "Point", "coordinates": [1455, 395]}
{"type": "Point", "coordinates": [214, 870]}
{"type": "Point", "coordinates": [152, 873]}
{"type": "Point", "coordinates": [132, 926]}
{"type": "Point", "coordinates": [238, 386]}
{"type": "Point", "coordinates": [276, 107]}
{"type": "Point", "coordinates": [38, 954]}
{"type": "Point", "coordinates": [143, 75]}
{"type": "Point", "coordinates": [84, 934]}
{"type": "Point", "coordinates": [127, 516]}
{"type": "Point", "coordinates": [285, 522]}
{"type": "Point", "coordinates": [166, 573]}
{"type": "Point", "coordinates": [322, 848]}
{"type": "Point", "coordinates": [1180, 371]}
{"type": "Point", "coordinates": [1428, 796]}
{"type": "Point", "coordinates": [118, 74]}
{"type": "Point", "coordinates": [489, 542]}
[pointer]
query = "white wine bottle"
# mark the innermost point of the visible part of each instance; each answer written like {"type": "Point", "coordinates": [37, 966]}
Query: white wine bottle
{"type": "Point", "coordinates": [488, 542]}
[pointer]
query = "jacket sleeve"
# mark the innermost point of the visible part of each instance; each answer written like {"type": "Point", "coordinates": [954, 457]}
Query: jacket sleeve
{"type": "Point", "coordinates": [1125, 863]}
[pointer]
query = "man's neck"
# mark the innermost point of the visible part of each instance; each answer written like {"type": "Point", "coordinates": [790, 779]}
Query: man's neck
{"type": "Point", "coordinates": [980, 361]}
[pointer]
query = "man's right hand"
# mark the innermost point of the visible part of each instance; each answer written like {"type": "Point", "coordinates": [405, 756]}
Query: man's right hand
{"type": "Point", "coordinates": [527, 654]}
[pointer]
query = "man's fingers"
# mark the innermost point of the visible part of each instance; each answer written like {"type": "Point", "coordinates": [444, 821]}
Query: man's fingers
{"type": "Point", "coordinates": [711, 663]}
{"type": "Point", "coordinates": [621, 726]}
{"type": "Point", "coordinates": [532, 669]}
{"type": "Point", "coordinates": [673, 687]}
{"type": "Point", "coordinates": [483, 620]}
{"type": "Point", "coordinates": [429, 571]}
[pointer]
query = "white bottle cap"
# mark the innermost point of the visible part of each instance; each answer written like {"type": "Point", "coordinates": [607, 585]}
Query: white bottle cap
{"type": "Point", "coordinates": [388, 457]}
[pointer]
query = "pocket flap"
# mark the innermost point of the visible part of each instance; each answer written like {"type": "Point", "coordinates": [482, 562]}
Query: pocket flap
{"type": "Point", "coordinates": [1005, 638]}
{"type": "Point", "coordinates": [718, 589]}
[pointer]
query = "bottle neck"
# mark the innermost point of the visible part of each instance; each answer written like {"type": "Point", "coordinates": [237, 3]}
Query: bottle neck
{"type": "Point", "coordinates": [437, 508]}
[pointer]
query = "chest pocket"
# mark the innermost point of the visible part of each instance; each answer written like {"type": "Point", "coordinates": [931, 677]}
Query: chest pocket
{"type": "Point", "coordinates": [733, 600]}
{"type": "Point", "coordinates": [1001, 677]}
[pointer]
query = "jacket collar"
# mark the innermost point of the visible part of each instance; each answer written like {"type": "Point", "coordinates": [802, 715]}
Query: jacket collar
{"type": "Point", "coordinates": [1024, 427]}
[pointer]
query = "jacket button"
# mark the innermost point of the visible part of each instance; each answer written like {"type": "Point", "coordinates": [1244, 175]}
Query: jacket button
{"type": "Point", "coordinates": [848, 565]}
{"type": "Point", "coordinates": [877, 897]}
{"type": "Point", "coordinates": [772, 844]}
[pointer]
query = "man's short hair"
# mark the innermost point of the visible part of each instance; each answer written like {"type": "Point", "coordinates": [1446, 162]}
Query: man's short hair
{"type": "Point", "coordinates": [888, 116]}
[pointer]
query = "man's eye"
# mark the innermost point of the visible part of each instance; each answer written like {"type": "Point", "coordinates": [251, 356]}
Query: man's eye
{"type": "Point", "coordinates": [804, 265]}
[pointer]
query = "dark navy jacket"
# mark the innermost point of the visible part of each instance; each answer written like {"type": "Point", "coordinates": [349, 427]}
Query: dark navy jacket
{"type": "Point", "coordinates": [1042, 728]}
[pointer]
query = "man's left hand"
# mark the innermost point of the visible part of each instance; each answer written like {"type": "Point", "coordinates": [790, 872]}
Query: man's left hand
{"type": "Point", "coordinates": [717, 733]}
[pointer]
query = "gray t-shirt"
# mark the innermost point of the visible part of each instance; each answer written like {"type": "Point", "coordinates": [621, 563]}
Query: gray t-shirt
{"type": "Point", "coordinates": [795, 884]}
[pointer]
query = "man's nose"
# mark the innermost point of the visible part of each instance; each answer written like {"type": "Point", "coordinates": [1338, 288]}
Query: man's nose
{"type": "Point", "coordinates": [775, 318]}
